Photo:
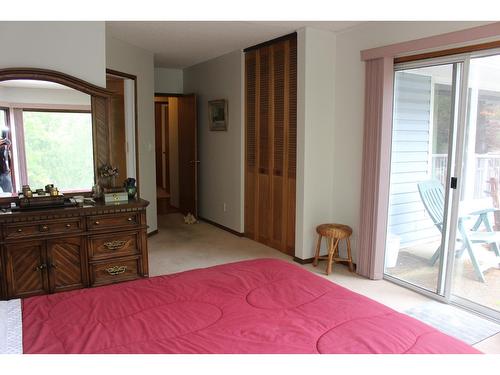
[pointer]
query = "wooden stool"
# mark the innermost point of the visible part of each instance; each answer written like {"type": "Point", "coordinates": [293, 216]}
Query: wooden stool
{"type": "Point", "coordinates": [334, 233]}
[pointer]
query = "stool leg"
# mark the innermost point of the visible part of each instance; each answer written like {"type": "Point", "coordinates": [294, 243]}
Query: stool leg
{"type": "Point", "coordinates": [349, 255]}
{"type": "Point", "coordinates": [333, 246]}
{"type": "Point", "coordinates": [318, 247]}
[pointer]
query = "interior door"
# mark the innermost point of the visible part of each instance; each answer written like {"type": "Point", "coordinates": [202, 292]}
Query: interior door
{"type": "Point", "coordinates": [188, 155]}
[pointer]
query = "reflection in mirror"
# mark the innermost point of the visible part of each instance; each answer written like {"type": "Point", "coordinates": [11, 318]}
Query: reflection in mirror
{"type": "Point", "coordinates": [46, 137]}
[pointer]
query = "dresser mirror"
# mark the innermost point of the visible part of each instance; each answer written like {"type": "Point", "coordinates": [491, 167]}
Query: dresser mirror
{"type": "Point", "coordinates": [57, 129]}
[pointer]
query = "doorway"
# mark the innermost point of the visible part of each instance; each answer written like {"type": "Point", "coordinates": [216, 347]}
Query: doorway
{"type": "Point", "coordinates": [176, 154]}
{"type": "Point", "coordinates": [123, 125]}
{"type": "Point", "coordinates": [444, 219]}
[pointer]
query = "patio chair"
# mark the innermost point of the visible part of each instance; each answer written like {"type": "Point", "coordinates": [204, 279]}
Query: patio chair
{"type": "Point", "coordinates": [432, 195]}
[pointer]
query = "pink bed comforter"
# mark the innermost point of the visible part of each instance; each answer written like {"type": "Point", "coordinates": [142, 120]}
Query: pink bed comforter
{"type": "Point", "coordinates": [257, 306]}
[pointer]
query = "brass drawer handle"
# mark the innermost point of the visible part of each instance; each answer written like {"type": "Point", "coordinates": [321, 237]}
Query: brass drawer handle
{"type": "Point", "coordinates": [116, 270]}
{"type": "Point", "coordinates": [44, 228]}
{"type": "Point", "coordinates": [68, 225]}
{"type": "Point", "coordinates": [96, 223]}
{"type": "Point", "coordinates": [115, 245]}
{"type": "Point", "coordinates": [19, 230]}
{"type": "Point", "coordinates": [129, 219]}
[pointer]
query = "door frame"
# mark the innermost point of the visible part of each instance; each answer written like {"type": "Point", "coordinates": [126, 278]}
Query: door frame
{"type": "Point", "coordinates": [136, 128]}
{"type": "Point", "coordinates": [454, 169]}
{"type": "Point", "coordinates": [178, 95]}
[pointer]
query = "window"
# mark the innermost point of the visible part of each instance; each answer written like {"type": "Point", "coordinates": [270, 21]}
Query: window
{"type": "Point", "coordinates": [3, 118]}
{"type": "Point", "coordinates": [58, 149]}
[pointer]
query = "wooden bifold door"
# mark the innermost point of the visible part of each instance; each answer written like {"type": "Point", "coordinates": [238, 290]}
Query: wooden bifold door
{"type": "Point", "coordinates": [271, 143]}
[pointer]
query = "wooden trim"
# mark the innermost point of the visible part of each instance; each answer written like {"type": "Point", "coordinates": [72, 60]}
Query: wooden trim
{"type": "Point", "coordinates": [136, 126]}
{"type": "Point", "coordinates": [448, 52]}
{"type": "Point", "coordinates": [272, 41]}
{"type": "Point", "coordinates": [53, 76]}
{"type": "Point", "coordinates": [120, 74]}
{"type": "Point", "coordinates": [220, 226]}
{"type": "Point", "coordinates": [153, 233]}
{"type": "Point", "coordinates": [161, 94]}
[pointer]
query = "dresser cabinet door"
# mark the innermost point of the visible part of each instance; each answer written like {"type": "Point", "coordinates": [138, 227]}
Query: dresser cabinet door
{"type": "Point", "coordinates": [66, 264]}
{"type": "Point", "coordinates": [26, 270]}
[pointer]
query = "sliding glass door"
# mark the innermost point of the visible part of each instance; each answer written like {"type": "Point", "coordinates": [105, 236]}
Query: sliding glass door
{"type": "Point", "coordinates": [423, 123]}
{"type": "Point", "coordinates": [475, 276]}
{"type": "Point", "coordinates": [443, 230]}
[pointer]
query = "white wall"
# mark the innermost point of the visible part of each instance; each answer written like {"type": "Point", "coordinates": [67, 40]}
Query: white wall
{"type": "Point", "coordinates": [315, 123]}
{"type": "Point", "coordinates": [349, 103]}
{"type": "Point", "coordinates": [75, 48]}
{"type": "Point", "coordinates": [126, 58]}
{"type": "Point", "coordinates": [221, 152]}
{"type": "Point", "coordinates": [169, 81]}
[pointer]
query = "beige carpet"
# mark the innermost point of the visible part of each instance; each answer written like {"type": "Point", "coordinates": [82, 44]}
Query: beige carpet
{"type": "Point", "coordinates": [179, 247]}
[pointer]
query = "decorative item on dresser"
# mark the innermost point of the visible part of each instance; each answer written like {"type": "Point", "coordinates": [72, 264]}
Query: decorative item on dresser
{"type": "Point", "coordinates": [51, 250]}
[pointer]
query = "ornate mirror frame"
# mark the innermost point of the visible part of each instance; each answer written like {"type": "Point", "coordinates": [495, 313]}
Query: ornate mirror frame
{"type": "Point", "coordinates": [99, 106]}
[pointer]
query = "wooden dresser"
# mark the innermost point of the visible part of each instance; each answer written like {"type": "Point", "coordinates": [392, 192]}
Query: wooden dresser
{"type": "Point", "coordinates": [52, 250]}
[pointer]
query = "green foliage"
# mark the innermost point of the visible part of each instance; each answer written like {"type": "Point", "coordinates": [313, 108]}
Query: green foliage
{"type": "Point", "coordinates": [488, 123]}
{"type": "Point", "coordinates": [442, 118]}
{"type": "Point", "coordinates": [59, 150]}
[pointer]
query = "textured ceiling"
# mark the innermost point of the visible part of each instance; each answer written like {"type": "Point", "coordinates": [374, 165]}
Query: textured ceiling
{"type": "Point", "coordinates": [180, 44]}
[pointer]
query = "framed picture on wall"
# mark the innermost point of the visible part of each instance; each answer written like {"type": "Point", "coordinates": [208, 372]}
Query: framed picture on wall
{"type": "Point", "coordinates": [217, 115]}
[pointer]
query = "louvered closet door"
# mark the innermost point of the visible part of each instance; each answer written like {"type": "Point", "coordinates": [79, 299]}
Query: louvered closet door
{"type": "Point", "coordinates": [271, 83]}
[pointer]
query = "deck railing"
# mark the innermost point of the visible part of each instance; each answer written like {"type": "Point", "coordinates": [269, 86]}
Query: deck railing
{"type": "Point", "coordinates": [487, 166]}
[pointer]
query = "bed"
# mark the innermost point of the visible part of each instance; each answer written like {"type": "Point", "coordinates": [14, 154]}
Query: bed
{"type": "Point", "coordinates": [256, 306]}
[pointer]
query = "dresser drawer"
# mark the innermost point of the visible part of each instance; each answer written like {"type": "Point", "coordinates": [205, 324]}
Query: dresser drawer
{"type": "Point", "coordinates": [118, 221]}
{"type": "Point", "coordinates": [112, 271]}
{"type": "Point", "coordinates": [47, 227]}
{"type": "Point", "coordinates": [112, 245]}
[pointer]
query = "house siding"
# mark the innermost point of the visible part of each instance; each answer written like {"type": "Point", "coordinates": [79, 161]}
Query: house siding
{"type": "Point", "coordinates": [410, 158]}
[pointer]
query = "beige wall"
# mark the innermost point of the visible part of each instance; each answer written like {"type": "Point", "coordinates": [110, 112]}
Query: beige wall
{"type": "Point", "coordinates": [43, 96]}
{"type": "Point", "coordinates": [315, 123]}
{"type": "Point", "coordinates": [347, 141]}
{"type": "Point", "coordinates": [75, 48]}
{"type": "Point", "coordinates": [129, 59]}
{"type": "Point", "coordinates": [169, 81]}
{"type": "Point", "coordinates": [220, 178]}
